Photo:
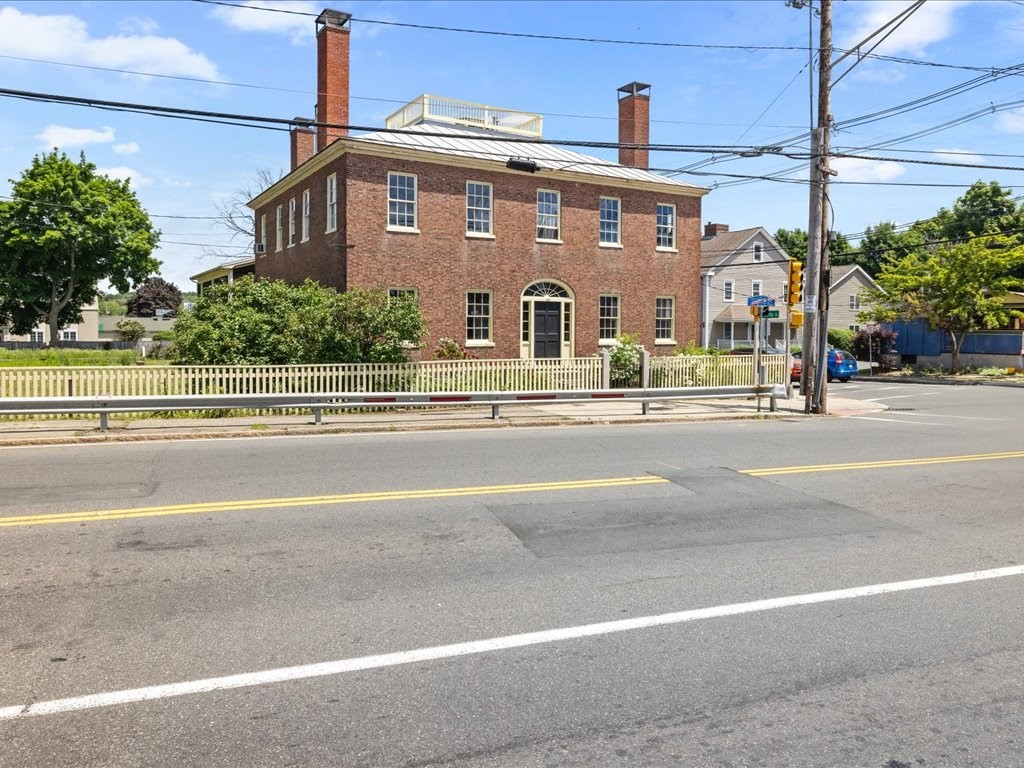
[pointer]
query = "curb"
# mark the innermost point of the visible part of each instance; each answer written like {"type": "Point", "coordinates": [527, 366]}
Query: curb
{"type": "Point", "coordinates": [943, 380]}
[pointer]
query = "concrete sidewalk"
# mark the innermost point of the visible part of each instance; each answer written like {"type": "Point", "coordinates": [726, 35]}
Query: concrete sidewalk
{"type": "Point", "coordinates": [133, 427]}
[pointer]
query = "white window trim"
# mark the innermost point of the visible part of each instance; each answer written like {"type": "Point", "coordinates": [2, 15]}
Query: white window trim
{"type": "Point", "coordinates": [617, 243]}
{"type": "Point", "coordinates": [489, 234]}
{"type": "Point", "coordinates": [757, 288]}
{"type": "Point", "coordinates": [671, 341]}
{"type": "Point", "coordinates": [415, 228]}
{"type": "Point", "coordinates": [729, 291]}
{"type": "Point", "coordinates": [263, 233]}
{"type": "Point", "coordinates": [558, 217]}
{"type": "Point", "coordinates": [854, 301]}
{"type": "Point", "coordinates": [618, 320]}
{"type": "Point", "coordinates": [305, 216]}
{"type": "Point", "coordinates": [279, 229]}
{"type": "Point", "coordinates": [758, 252]}
{"type": "Point", "coordinates": [675, 229]}
{"type": "Point", "coordinates": [291, 222]}
{"type": "Point", "coordinates": [489, 341]}
{"type": "Point", "coordinates": [332, 204]}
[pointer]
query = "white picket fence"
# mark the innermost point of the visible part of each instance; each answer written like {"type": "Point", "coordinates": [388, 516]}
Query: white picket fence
{"type": "Point", "coordinates": [584, 373]}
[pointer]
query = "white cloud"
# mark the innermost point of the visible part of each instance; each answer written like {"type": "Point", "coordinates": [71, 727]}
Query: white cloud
{"type": "Point", "coordinates": [177, 183]}
{"type": "Point", "coordinates": [61, 136]}
{"type": "Point", "coordinates": [298, 23]}
{"type": "Point", "coordinates": [137, 25]}
{"type": "Point", "coordinates": [959, 156]}
{"type": "Point", "coordinates": [1012, 121]}
{"type": "Point", "coordinates": [128, 148]}
{"type": "Point", "coordinates": [856, 169]}
{"type": "Point", "coordinates": [931, 23]}
{"type": "Point", "coordinates": [123, 172]}
{"type": "Point", "coordinates": [880, 74]}
{"type": "Point", "coordinates": [66, 38]}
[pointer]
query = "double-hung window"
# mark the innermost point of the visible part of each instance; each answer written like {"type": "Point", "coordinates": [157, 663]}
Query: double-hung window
{"type": "Point", "coordinates": [305, 215]}
{"type": "Point", "coordinates": [402, 294]}
{"type": "Point", "coordinates": [263, 231]}
{"type": "Point", "coordinates": [478, 208]}
{"type": "Point", "coordinates": [728, 291]}
{"type": "Point", "coordinates": [665, 227]}
{"type": "Point", "coordinates": [548, 214]}
{"type": "Point", "coordinates": [478, 317]}
{"type": "Point", "coordinates": [280, 228]}
{"type": "Point", "coordinates": [758, 253]}
{"type": "Point", "coordinates": [854, 301]}
{"type": "Point", "coordinates": [332, 202]}
{"type": "Point", "coordinates": [664, 318]}
{"type": "Point", "coordinates": [608, 317]}
{"type": "Point", "coordinates": [291, 222]}
{"type": "Point", "coordinates": [755, 288]}
{"type": "Point", "coordinates": [610, 221]}
{"type": "Point", "coordinates": [402, 201]}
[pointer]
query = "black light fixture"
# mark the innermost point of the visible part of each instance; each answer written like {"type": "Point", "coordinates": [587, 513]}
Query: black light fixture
{"type": "Point", "coordinates": [522, 164]}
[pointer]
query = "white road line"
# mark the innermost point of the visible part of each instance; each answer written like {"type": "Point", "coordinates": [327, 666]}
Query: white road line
{"type": "Point", "coordinates": [947, 416]}
{"type": "Point", "coordinates": [899, 421]}
{"type": "Point", "coordinates": [899, 397]}
{"type": "Point", "coordinates": [883, 389]}
{"type": "Point", "coordinates": [328, 668]}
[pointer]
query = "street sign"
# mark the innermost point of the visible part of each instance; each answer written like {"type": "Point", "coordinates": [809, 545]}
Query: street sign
{"type": "Point", "coordinates": [771, 313]}
{"type": "Point", "coordinates": [760, 301]}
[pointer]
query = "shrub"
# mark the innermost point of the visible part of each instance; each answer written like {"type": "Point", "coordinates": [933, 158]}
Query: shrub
{"type": "Point", "coordinates": [449, 349]}
{"type": "Point", "coordinates": [841, 338]}
{"type": "Point", "coordinates": [130, 330]}
{"type": "Point", "coordinates": [879, 339]}
{"type": "Point", "coordinates": [624, 357]}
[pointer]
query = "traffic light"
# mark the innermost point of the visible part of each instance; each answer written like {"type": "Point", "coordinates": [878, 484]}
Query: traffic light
{"type": "Point", "coordinates": [795, 294]}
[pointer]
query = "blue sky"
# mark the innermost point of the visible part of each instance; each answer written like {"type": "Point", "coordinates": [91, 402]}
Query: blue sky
{"type": "Point", "coordinates": [751, 95]}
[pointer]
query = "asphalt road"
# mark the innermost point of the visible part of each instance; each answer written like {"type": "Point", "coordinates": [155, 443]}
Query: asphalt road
{"type": "Point", "coordinates": [803, 592]}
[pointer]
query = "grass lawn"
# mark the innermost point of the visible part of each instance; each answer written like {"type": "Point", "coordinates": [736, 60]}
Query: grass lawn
{"type": "Point", "coordinates": [60, 357]}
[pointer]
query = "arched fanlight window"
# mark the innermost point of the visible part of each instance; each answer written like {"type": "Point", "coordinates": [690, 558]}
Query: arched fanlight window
{"type": "Point", "coordinates": [546, 291]}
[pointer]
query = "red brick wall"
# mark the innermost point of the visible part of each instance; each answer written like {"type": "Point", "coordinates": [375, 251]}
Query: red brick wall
{"type": "Point", "coordinates": [332, 74]}
{"type": "Point", "coordinates": [442, 263]}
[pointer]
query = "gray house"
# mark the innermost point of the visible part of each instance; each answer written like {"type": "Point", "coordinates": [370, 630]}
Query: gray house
{"type": "Point", "coordinates": [734, 266]}
{"type": "Point", "coordinates": [844, 296]}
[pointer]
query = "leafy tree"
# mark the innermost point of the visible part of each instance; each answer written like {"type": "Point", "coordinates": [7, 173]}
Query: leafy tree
{"type": "Point", "coordinates": [956, 288]}
{"type": "Point", "coordinates": [793, 242]}
{"type": "Point", "coordinates": [112, 307]}
{"type": "Point", "coordinates": [883, 242]}
{"type": "Point", "coordinates": [870, 344]}
{"type": "Point", "coordinates": [130, 330]}
{"type": "Point", "coordinates": [841, 338]}
{"type": "Point", "coordinates": [65, 229]}
{"type": "Point", "coordinates": [983, 209]}
{"type": "Point", "coordinates": [156, 293]}
{"type": "Point", "coordinates": [263, 322]}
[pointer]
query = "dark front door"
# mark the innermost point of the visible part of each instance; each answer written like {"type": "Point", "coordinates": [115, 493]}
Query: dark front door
{"type": "Point", "coordinates": [547, 339]}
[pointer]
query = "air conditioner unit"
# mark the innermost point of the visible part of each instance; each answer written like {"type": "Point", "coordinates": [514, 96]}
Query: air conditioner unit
{"type": "Point", "coordinates": [261, 248]}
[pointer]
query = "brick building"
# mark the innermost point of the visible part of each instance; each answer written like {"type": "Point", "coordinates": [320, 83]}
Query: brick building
{"type": "Point", "coordinates": [513, 248]}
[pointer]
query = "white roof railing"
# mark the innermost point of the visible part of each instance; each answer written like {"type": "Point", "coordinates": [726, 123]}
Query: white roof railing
{"type": "Point", "coordinates": [466, 113]}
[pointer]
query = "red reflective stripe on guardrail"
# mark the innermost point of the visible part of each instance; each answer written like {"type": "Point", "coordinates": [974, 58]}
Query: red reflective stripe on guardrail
{"type": "Point", "coordinates": [605, 395]}
{"type": "Point", "coordinates": [380, 399]}
{"type": "Point", "coordinates": [450, 399]}
{"type": "Point", "coordinates": [535, 397]}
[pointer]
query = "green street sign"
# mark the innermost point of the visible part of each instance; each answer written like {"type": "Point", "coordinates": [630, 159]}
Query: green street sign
{"type": "Point", "coordinates": [770, 313]}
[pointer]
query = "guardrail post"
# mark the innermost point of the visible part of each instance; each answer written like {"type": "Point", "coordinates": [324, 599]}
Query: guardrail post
{"type": "Point", "coordinates": [645, 378]}
{"type": "Point", "coordinates": [103, 422]}
{"type": "Point", "coordinates": [495, 411]}
{"type": "Point", "coordinates": [318, 416]}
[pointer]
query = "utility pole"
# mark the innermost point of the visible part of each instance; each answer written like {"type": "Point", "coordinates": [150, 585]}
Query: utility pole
{"type": "Point", "coordinates": [814, 364]}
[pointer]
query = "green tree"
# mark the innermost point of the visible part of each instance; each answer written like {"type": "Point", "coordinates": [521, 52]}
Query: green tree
{"type": "Point", "coordinates": [156, 293]}
{"type": "Point", "coordinates": [264, 322]}
{"type": "Point", "coordinates": [882, 242]}
{"type": "Point", "coordinates": [130, 330]}
{"type": "Point", "coordinates": [793, 242]}
{"type": "Point", "coordinates": [957, 288]}
{"type": "Point", "coordinates": [983, 209]}
{"type": "Point", "coordinates": [65, 229]}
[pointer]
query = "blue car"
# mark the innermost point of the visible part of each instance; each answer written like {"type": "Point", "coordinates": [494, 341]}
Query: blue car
{"type": "Point", "coordinates": [841, 365]}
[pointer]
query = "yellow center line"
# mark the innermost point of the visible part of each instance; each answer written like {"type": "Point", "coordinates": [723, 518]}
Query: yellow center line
{"type": "Point", "coordinates": [768, 471]}
{"type": "Point", "coordinates": [304, 501]}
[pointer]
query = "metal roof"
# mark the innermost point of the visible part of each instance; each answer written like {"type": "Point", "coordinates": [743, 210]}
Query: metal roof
{"type": "Point", "coordinates": [483, 144]}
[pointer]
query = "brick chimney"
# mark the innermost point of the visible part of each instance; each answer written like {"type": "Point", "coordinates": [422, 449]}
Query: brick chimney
{"type": "Point", "coordinates": [634, 124]}
{"type": "Point", "coordinates": [332, 45]}
{"type": "Point", "coordinates": [302, 135]}
{"type": "Point", "coordinates": [711, 230]}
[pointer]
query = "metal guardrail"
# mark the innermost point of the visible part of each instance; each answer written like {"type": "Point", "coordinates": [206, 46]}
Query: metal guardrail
{"type": "Point", "coordinates": [333, 401]}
